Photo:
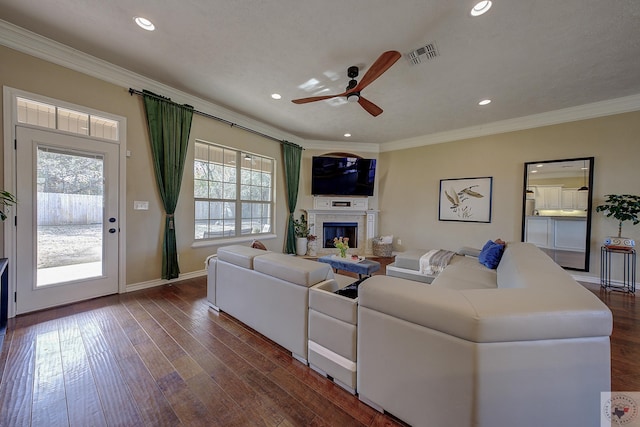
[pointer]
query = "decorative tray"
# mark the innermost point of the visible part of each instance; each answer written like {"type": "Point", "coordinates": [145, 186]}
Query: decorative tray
{"type": "Point", "coordinates": [348, 259]}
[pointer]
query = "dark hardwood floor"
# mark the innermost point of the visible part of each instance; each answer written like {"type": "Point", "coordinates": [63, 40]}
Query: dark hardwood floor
{"type": "Point", "coordinates": [162, 357]}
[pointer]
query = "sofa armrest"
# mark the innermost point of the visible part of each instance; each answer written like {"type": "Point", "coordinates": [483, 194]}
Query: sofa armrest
{"type": "Point", "coordinates": [467, 251]}
{"type": "Point", "coordinates": [490, 315]}
{"type": "Point", "coordinates": [433, 307]}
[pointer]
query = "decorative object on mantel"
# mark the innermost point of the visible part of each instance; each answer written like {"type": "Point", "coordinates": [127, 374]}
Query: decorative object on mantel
{"type": "Point", "coordinates": [465, 199]}
{"type": "Point", "coordinates": [312, 245]}
{"type": "Point", "coordinates": [6, 200]}
{"type": "Point", "coordinates": [342, 243]}
{"type": "Point", "coordinates": [623, 207]}
{"type": "Point", "coordinates": [301, 228]}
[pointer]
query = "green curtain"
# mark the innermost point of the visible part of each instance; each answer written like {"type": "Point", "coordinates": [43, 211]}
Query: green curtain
{"type": "Point", "coordinates": [169, 126]}
{"type": "Point", "coordinates": [291, 154]}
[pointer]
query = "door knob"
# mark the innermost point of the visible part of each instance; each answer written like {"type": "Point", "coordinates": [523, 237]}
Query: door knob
{"type": "Point", "coordinates": [112, 230]}
{"type": "Point", "coordinates": [112, 219]}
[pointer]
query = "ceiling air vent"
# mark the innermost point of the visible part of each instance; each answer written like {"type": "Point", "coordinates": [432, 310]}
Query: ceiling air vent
{"type": "Point", "coordinates": [423, 53]}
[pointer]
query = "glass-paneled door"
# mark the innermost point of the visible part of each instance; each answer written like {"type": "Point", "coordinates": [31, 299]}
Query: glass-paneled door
{"type": "Point", "coordinates": [67, 225]}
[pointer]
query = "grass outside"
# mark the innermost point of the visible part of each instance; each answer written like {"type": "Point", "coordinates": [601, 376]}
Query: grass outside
{"type": "Point", "coordinates": [60, 245]}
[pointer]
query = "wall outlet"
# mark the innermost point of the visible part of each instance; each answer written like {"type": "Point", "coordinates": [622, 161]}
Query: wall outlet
{"type": "Point", "coordinates": [400, 242]}
{"type": "Point", "coordinates": [140, 205]}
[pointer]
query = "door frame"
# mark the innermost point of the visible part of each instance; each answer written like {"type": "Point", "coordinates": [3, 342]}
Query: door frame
{"type": "Point", "coordinates": [10, 121]}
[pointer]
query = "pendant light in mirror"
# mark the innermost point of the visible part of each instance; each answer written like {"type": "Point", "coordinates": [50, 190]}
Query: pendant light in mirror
{"type": "Point", "coordinates": [584, 178]}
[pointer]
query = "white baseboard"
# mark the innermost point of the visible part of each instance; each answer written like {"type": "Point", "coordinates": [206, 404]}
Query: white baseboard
{"type": "Point", "coordinates": [596, 280]}
{"type": "Point", "coordinates": [369, 402]}
{"type": "Point", "coordinates": [159, 282]}
{"type": "Point", "coordinates": [587, 279]}
{"type": "Point", "coordinates": [300, 359]}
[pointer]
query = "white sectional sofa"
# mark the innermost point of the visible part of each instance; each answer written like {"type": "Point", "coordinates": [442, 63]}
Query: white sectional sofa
{"type": "Point", "coordinates": [523, 345]}
{"type": "Point", "coordinates": [267, 291]}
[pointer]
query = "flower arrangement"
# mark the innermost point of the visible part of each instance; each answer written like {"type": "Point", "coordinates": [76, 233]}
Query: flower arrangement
{"type": "Point", "coordinates": [342, 243]}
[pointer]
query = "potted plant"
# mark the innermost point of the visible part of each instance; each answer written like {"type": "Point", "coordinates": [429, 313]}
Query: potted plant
{"type": "Point", "coordinates": [301, 230]}
{"type": "Point", "coordinates": [6, 200]}
{"type": "Point", "coordinates": [623, 207]}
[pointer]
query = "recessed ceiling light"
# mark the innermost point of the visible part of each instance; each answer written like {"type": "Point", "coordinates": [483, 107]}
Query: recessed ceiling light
{"type": "Point", "coordinates": [534, 171]}
{"type": "Point", "coordinates": [347, 135]}
{"type": "Point", "coordinates": [481, 8]}
{"type": "Point", "coordinates": [484, 102]}
{"type": "Point", "coordinates": [144, 23]}
{"type": "Point", "coordinates": [276, 96]}
{"type": "Point", "coordinates": [540, 165]}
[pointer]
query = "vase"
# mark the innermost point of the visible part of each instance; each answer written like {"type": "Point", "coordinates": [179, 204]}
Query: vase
{"type": "Point", "coordinates": [301, 246]}
{"type": "Point", "coordinates": [619, 242]}
{"type": "Point", "coordinates": [312, 248]}
{"type": "Point", "coordinates": [343, 252]}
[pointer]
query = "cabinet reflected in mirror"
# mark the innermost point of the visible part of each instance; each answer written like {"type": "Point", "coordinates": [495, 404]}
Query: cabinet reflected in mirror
{"type": "Point", "coordinates": [556, 209]}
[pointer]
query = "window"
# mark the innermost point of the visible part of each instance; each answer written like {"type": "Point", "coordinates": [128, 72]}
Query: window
{"type": "Point", "coordinates": [54, 117]}
{"type": "Point", "coordinates": [233, 192]}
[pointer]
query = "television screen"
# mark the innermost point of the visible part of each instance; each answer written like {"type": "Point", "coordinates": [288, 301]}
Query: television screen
{"type": "Point", "coordinates": [342, 176]}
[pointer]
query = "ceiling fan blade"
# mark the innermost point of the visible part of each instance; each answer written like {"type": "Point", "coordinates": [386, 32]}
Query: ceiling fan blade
{"type": "Point", "coordinates": [371, 108]}
{"type": "Point", "coordinates": [316, 98]}
{"type": "Point", "coordinates": [382, 64]}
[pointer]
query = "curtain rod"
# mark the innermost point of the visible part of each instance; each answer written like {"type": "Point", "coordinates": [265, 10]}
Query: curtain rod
{"type": "Point", "coordinates": [220, 119]}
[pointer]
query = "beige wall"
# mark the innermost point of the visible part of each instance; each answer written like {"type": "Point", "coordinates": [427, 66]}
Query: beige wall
{"type": "Point", "coordinates": [144, 228]}
{"type": "Point", "coordinates": [410, 179]}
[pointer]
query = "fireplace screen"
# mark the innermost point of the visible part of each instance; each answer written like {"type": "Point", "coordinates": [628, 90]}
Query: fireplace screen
{"type": "Point", "coordinates": [330, 230]}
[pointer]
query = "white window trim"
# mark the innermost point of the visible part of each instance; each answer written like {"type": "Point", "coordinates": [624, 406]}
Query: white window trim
{"type": "Point", "coordinates": [201, 243]}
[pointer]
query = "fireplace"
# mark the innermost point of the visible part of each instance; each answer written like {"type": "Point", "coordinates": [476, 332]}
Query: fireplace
{"type": "Point", "coordinates": [331, 230]}
{"type": "Point", "coordinates": [343, 216]}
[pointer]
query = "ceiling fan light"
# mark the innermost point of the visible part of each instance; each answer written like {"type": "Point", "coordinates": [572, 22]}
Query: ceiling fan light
{"type": "Point", "coordinates": [353, 97]}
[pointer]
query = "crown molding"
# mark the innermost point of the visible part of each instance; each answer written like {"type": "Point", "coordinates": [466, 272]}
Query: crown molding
{"type": "Point", "coordinates": [365, 147]}
{"type": "Point", "coordinates": [582, 112]}
{"type": "Point", "coordinates": [33, 44]}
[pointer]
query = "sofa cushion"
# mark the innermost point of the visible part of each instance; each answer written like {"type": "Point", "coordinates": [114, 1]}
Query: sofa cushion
{"type": "Point", "coordinates": [292, 269]}
{"type": "Point", "coordinates": [410, 259]}
{"type": "Point", "coordinates": [523, 265]}
{"type": "Point", "coordinates": [491, 254]}
{"type": "Point", "coordinates": [466, 273]}
{"type": "Point", "coordinates": [239, 255]}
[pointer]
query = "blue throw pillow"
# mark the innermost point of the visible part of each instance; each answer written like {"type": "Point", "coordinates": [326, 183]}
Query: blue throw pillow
{"type": "Point", "coordinates": [491, 254]}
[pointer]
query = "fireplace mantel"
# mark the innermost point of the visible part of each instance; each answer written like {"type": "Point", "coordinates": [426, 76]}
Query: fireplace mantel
{"type": "Point", "coordinates": [332, 209]}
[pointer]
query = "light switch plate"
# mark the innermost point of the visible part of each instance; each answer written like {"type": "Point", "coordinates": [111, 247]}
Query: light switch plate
{"type": "Point", "coordinates": [140, 205]}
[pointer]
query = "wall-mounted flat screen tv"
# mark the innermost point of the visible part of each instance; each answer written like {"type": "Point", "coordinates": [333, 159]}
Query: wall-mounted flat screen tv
{"type": "Point", "coordinates": [342, 176]}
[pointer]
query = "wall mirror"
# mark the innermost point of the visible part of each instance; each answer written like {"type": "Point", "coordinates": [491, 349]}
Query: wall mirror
{"type": "Point", "coordinates": [556, 209]}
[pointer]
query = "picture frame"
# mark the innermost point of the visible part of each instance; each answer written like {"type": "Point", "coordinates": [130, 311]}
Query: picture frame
{"type": "Point", "coordinates": [465, 199]}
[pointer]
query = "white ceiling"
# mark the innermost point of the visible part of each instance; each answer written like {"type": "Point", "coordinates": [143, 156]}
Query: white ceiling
{"type": "Point", "coordinates": [529, 57]}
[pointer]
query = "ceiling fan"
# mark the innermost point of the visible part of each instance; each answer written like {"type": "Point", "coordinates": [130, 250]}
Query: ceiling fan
{"type": "Point", "coordinates": [352, 92]}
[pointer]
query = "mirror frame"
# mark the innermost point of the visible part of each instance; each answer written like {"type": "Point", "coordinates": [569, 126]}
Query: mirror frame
{"type": "Point", "coordinates": [587, 256]}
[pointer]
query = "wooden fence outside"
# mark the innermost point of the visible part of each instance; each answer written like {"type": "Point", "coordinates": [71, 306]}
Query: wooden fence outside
{"type": "Point", "coordinates": [69, 209]}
